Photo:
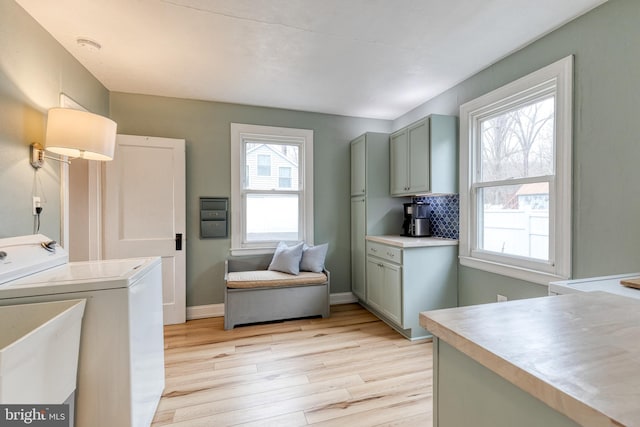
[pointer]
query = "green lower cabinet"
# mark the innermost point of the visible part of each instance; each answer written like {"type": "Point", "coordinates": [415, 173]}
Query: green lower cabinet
{"type": "Point", "coordinates": [403, 282]}
{"type": "Point", "coordinates": [384, 288]}
{"type": "Point", "coordinates": [465, 393]}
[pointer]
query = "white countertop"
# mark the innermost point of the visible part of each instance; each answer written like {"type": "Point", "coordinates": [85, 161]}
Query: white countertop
{"type": "Point", "coordinates": [609, 284]}
{"type": "Point", "coordinates": [412, 242]}
{"type": "Point", "coordinates": [578, 353]}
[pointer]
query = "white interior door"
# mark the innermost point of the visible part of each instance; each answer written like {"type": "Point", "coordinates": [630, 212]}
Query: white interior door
{"type": "Point", "coordinates": [145, 211]}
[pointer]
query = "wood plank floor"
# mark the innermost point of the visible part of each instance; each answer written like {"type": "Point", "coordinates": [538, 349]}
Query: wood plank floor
{"type": "Point", "coordinates": [348, 370]}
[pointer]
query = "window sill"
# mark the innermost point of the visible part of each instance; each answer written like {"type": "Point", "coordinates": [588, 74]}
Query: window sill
{"type": "Point", "coordinates": [251, 251]}
{"type": "Point", "coordinates": [533, 276]}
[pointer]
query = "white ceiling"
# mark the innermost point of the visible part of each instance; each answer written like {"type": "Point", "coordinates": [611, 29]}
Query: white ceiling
{"type": "Point", "coordinates": [366, 58]}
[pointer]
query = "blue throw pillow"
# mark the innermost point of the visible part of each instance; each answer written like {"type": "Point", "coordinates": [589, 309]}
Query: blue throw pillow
{"type": "Point", "coordinates": [287, 259]}
{"type": "Point", "coordinates": [313, 258]}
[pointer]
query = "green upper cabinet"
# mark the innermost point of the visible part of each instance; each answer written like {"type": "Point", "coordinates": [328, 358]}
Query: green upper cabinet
{"type": "Point", "coordinates": [398, 155]}
{"type": "Point", "coordinates": [358, 170]}
{"type": "Point", "coordinates": [424, 156]}
{"type": "Point", "coordinates": [419, 159]}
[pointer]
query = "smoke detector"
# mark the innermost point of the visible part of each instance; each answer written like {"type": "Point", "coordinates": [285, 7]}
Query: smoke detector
{"type": "Point", "coordinates": [88, 44]}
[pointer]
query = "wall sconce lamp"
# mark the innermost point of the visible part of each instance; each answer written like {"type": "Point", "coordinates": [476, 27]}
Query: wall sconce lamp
{"type": "Point", "coordinates": [76, 134]}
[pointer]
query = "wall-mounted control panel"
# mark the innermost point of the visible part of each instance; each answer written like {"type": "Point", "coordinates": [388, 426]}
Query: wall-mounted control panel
{"type": "Point", "coordinates": [214, 217]}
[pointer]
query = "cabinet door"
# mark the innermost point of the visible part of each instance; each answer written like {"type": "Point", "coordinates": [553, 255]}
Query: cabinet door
{"type": "Point", "coordinates": [418, 157]}
{"type": "Point", "coordinates": [384, 288]}
{"type": "Point", "coordinates": [358, 166]}
{"type": "Point", "coordinates": [375, 283]}
{"type": "Point", "coordinates": [398, 158]}
{"type": "Point", "coordinates": [392, 295]}
{"type": "Point", "coordinates": [358, 247]}
{"type": "Point", "coordinates": [443, 148]}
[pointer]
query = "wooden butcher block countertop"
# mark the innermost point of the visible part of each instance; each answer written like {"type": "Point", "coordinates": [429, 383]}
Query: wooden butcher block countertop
{"type": "Point", "coordinates": [578, 353]}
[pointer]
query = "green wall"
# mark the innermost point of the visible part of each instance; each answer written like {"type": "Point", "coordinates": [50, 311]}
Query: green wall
{"type": "Point", "coordinates": [205, 127]}
{"type": "Point", "coordinates": [606, 150]}
{"type": "Point", "coordinates": [34, 70]}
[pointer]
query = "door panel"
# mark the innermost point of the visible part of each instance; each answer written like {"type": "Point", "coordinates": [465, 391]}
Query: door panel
{"type": "Point", "coordinates": [358, 233]}
{"type": "Point", "coordinates": [393, 292]}
{"type": "Point", "coordinates": [398, 163]}
{"type": "Point", "coordinates": [358, 167]}
{"type": "Point", "coordinates": [148, 204]}
{"type": "Point", "coordinates": [375, 284]}
{"type": "Point", "coordinates": [419, 161]}
{"type": "Point", "coordinates": [145, 209]}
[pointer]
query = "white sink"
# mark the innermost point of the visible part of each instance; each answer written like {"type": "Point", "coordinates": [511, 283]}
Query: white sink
{"type": "Point", "coordinates": [39, 346]}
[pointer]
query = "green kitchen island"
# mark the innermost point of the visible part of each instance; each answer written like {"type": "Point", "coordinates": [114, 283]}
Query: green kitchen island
{"type": "Point", "coordinates": [555, 361]}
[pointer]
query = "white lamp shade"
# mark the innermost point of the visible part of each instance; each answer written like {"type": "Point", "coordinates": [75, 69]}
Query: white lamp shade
{"type": "Point", "coordinates": [76, 133]}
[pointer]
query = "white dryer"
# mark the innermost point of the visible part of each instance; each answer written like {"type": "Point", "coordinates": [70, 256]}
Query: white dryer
{"type": "Point", "coordinates": [121, 363]}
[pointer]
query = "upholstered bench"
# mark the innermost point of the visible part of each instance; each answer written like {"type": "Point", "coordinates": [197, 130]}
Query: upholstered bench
{"type": "Point", "coordinates": [255, 294]}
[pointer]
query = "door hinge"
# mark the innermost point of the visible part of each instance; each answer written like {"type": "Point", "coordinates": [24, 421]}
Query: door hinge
{"type": "Point", "coordinates": [178, 241]}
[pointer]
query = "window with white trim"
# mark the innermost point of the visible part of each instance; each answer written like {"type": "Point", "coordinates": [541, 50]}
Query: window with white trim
{"type": "Point", "coordinates": [515, 170]}
{"type": "Point", "coordinates": [263, 210]}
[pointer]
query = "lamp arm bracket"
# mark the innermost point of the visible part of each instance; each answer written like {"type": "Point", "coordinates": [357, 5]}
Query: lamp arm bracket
{"type": "Point", "coordinates": [38, 156]}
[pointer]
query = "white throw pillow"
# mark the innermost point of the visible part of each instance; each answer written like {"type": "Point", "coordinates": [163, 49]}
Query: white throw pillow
{"type": "Point", "coordinates": [287, 259]}
{"type": "Point", "coordinates": [313, 258]}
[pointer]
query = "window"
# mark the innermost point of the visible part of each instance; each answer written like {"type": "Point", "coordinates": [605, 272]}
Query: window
{"type": "Point", "coordinates": [515, 164]}
{"type": "Point", "coordinates": [264, 164]}
{"type": "Point", "coordinates": [284, 177]}
{"type": "Point", "coordinates": [267, 209]}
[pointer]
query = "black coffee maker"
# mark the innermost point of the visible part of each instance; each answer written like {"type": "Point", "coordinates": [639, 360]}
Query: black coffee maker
{"type": "Point", "coordinates": [417, 220]}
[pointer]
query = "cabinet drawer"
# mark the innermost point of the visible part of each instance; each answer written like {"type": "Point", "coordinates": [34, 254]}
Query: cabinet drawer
{"type": "Point", "coordinates": [388, 253]}
{"type": "Point", "coordinates": [213, 229]}
{"type": "Point", "coordinates": [214, 215]}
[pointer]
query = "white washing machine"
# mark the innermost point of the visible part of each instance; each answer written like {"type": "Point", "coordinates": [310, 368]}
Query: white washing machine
{"type": "Point", "coordinates": [121, 363]}
{"type": "Point", "coordinates": [609, 284]}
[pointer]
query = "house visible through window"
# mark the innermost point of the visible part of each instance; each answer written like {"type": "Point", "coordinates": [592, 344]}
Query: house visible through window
{"type": "Point", "coordinates": [516, 144]}
{"type": "Point", "coordinates": [516, 207]}
{"type": "Point", "coordinates": [270, 208]}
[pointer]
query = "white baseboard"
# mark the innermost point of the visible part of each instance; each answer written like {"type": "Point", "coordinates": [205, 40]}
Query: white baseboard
{"type": "Point", "coordinates": [342, 298]}
{"type": "Point", "coordinates": [217, 310]}
{"type": "Point", "coordinates": [204, 311]}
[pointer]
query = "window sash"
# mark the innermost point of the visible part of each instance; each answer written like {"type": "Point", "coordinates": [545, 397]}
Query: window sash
{"type": "Point", "coordinates": [271, 242]}
{"type": "Point", "coordinates": [245, 191]}
{"type": "Point", "coordinates": [540, 95]}
{"type": "Point", "coordinates": [521, 261]}
{"type": "Point", "coordinates": [270, 140]}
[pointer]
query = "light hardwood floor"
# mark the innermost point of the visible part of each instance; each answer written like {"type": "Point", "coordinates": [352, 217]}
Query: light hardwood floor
{"type": "Point", "coordinates": [348, 370]}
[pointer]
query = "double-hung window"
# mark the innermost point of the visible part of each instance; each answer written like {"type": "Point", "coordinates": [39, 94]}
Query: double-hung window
{"type": "Point", "coordinates": [515, 163]}
{"type": "Point", "coordinates": [268, 208]}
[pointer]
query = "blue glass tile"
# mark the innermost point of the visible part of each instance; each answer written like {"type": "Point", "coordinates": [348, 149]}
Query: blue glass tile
{"type": "Point", "coordinates": [445, 215]}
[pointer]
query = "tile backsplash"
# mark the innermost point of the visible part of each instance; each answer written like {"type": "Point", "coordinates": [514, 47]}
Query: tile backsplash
{"type": "Point", "coordinates": [445, 215]}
